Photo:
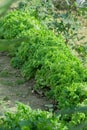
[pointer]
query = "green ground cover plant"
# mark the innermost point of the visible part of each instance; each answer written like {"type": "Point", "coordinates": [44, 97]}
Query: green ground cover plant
{"type": "Point", "coordinates": [61, 22]}
{"type": "Point", "coordinates": [44, 54]}
{"type": "Point", "coordinates": [45, 57]}
{"type": "Point", "coordinates": [27, 119]}
{"type": "Point", "coordinates": [15, 22]}
{"type": "Point", "coordinates": [24, 118]}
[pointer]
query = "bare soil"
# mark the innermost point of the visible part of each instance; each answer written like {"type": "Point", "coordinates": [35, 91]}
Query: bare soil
{"type": "Point", "coordinates": [13, 88]}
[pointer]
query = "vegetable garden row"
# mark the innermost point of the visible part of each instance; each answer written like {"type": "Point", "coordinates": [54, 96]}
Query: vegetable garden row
{"type": "Point", "coordinates": [45, 57]}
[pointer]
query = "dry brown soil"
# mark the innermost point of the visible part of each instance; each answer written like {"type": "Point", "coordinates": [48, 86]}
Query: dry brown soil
{"type": "Point", "coordinates": [13, 88]}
